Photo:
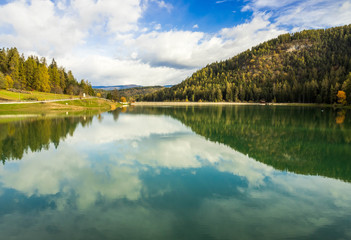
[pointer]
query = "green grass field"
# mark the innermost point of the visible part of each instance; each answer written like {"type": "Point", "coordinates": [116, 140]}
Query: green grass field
{"type": "Point", "coordinates": [57, 107]}
{"type": "Point", "coordinates": [74, 105]}
{"type": "Point", "coordinates": [86, 103]}
{"type": "Point", "coordinates": [34, 96]}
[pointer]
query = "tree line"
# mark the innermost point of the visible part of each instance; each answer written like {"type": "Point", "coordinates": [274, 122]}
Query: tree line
{"type": "Point", "coordinates": [305, 67]}
{"type": "Point", "coordinates": [32, 73]}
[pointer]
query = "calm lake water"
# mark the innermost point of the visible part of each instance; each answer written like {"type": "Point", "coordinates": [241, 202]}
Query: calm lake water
{"type": "Point", "coordinates": [219, 172]}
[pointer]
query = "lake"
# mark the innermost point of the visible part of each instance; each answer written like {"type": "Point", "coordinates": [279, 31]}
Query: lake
{"type": "Point", "coordinates": [196, 172]}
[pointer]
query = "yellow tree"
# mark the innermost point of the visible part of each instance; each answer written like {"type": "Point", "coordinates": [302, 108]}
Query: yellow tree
{"type": "Point", "coordinates": [341, 97]}
{"type": "Point", "coordinates": [9, 81]}
{"type": "Point", "coordinates": [123, 99]}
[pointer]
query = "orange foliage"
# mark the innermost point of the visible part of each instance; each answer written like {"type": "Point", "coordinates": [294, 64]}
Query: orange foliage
{"type": "Point", "coordinates": [340, 117]}
{"type": "Point", "coordinates": [341, 97]}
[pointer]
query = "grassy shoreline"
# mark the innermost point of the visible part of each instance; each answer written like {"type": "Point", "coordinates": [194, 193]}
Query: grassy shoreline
{"type": "Point", "coordinates": [7, 95]}
{"type": "Point", "coordinates": [94, 105]}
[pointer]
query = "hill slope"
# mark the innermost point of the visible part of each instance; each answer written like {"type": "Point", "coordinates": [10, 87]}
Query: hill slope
{"type": "Point", "coordinates": [308, 66]}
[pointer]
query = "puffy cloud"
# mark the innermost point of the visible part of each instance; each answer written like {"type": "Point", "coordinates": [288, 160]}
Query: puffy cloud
{"type": "Point", "coordinates": [244, 36]}
{"type": "Point", "coordinates": [172, 48]}
{"type": "Point", "coordinates": [37, 26]}
{"type": "Point", "coordinates": [55, 29]}
{"type": "Point", "coordinates": [116, 16]}
{"type": "Point", "coordinates": [107, 70]}
{"type": "Point", "coordinates": [183, 49]}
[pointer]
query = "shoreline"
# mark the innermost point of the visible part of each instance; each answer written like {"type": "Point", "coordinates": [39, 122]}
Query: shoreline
{"type": "Point", "coordinates": [235, 104]}
{"type": "Point", "coordinates": [58, 107]}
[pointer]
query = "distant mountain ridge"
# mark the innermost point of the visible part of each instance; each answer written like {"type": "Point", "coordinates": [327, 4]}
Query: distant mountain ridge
{"type": "Point", "coordinates": [118, 87]}
{"type": "Point", "coordinates": [305, 67]}
{"type": "Point", "coordinates": [128, 86]}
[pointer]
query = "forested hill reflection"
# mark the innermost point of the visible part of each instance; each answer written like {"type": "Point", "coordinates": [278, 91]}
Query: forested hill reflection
{"type": "Point", "coordinates": [303, 140]}
{"type": "Point", "coordinates": [18, 137]}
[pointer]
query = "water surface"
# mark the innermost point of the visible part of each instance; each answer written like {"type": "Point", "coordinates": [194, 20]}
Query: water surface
{"type": "Point", "coordinates": [219, 172]}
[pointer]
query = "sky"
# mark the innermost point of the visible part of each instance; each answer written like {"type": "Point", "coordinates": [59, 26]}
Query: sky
{"type": "Point", "coordinates": [154, 42]}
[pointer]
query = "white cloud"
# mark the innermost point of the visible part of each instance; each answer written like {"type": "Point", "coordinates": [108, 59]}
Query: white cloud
{"type": "Point", "coordinates": [169, 48]}
{"type": "Point", "coordinates": [304, 14]}
{"type": "Point", "coordinates": [37, 27]}
{"type": "Point", "coordinates": [157, 27]}
{"type": "Point", "coordinates": [197, 49]}
{"type": "Point", "coordinates": [321, 15]}
{"type": "Point", "coordinates": [163, 4]}
{"type": "Point", "coordinates": [196, 26]}
{"type": "Point", "coordinates": [116, 16]}
{"type": "Point", "coordinates": [249, 34]}
{"type": "Point", "coordinates": [43, 27]}
{"type": "Point", "coordinates": [107, 70]}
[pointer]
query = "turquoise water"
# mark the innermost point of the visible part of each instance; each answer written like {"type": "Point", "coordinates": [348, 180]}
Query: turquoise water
{"type": "Point", "coordinates": [238, 172]}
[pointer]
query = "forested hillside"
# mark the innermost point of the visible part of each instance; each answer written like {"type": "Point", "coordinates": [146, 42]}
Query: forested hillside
{"type": "Point", "coordinates": [33, 74]}
{"type": "Point", "coordinates": [305, 67]}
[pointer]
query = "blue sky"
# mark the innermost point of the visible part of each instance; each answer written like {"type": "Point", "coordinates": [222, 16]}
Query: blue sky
{"type": "Point", "coordinates": [154, 42]}
{"type": "Point", "coordinates": [208, 15]}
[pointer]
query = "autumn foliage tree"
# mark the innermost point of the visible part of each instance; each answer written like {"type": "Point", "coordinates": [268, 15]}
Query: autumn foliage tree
{"type": "Point", "coordinates": [341, 97]}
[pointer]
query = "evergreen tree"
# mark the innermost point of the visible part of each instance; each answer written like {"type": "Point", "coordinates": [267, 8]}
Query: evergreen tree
{"type": "Point", "coordinates": [55, 81]}
{"type": "Point", "coordinates": [13, 65]}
